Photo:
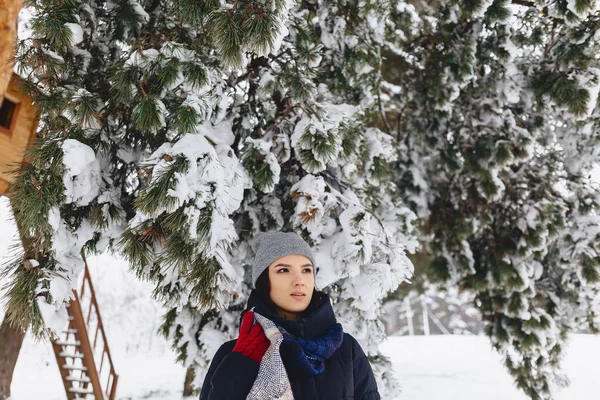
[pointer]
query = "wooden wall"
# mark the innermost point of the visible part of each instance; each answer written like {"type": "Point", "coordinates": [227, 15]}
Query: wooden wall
{"type": "Point", "coordinates": [14, 140]}
{"type": "Point", "coordinates": [9, 11]}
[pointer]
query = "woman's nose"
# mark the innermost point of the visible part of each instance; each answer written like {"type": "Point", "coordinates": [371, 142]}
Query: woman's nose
{"type": "Point", "coordinates": [298, 280]}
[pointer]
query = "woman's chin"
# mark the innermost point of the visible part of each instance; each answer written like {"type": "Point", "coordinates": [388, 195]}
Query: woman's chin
{"type": "Point", "coordinates": [295, 306]}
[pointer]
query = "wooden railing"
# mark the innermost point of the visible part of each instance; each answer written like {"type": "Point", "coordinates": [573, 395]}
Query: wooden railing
{"type": "Point", "coordinates": [82, 350]}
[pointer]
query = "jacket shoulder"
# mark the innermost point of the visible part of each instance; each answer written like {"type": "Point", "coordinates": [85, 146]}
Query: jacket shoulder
{"type": "Point", "coordinates": [349, 350]}
{"type": "Point", "coordinates": [365, 384]}
{"type": "Point", "coordinates": [353, 346]}
{"type": "Point", "coordinates": [227, 346]}
{"type": "Point", "coordinates": [225, 349]}
{"type": "Point", "coordinates": [230, 375]}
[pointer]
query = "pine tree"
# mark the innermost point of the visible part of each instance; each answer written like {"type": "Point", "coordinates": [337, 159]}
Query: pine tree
{"type": "Point", "coordinates": [173, 131]}
{"type": "Point", "coordinates": [494, 105]}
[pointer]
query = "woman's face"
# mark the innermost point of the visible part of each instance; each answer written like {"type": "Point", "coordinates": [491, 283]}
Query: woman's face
{"type": "Point", "coordinates": [292, 282]}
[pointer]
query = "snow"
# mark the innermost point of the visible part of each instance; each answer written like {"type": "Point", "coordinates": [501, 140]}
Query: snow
{"type": "Point", "coordinates": [351, 41]}
{"type": "Point", "coordinates": [85, 56]}
{"type": "Point", "coordinates": [77, 33]}
{"type": "Point", "coordinates": [54, 317]}
{"type": "Point", "coordinates": [24, 30]}
{"type": "Point", "coordinates": [595, 173]}
{"type": "Point", "coordinates": [139, 10]}
{"type": "Point", "coordinates": [54, 55]}
{"type": "Point", "coordinates": [66, 245]}
{"type": "Point", "coordinates": [208, 166]}
{"type": "Point", "coordinates": [452, 367]}
{"type": "Point", "coordinates": [82, 177]}
{"type": "Point", "coordinates": [376, 25]}
{"type": "Point", "coordinates": [428, 367]}
{"type": "Point", "coordinates": [213, 179]}
{"type": "Point", "coordinates": [138, 58]}
{"type": "Point", "coordinates": [281, 34]}
{"type": "Point", "coordinates": [380, 145]}
{"type": "Point", "coordinates": [312, 204]}
{"type": "Point", "coordinates": [311, 127]}
{"type": "Point", "coordinates": [572, 6]}
{"type": "Point", "coordinates": [593, 87]}
{"type": "Point", "coordinates": [82, 180]}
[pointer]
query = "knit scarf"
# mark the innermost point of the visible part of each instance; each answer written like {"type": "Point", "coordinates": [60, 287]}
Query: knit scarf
{"type": "Point", "coordinates": [305, 356]}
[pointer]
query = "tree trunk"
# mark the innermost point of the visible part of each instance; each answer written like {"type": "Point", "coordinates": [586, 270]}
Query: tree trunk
{"type": "Point", "coordinates": [8, 32]}
{"type": "Point", "coordinates": [188, 388]}
{"type": "Point", "coordinates": [12, 340]}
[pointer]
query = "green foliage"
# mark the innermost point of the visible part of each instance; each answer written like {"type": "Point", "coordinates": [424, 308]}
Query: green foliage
{"type": "Point", "coordinates": [155, 196]}
{"type": "Point", "coordinates": [564, 90]}
{"type": "Point", "coordinates": [21, 284]}
{"type": "Point", "coordinates": [195, 73]}
{"type": "Point", "coordinates": [498, 11]}
{"type": "Point", "coordinates": [186, 118]}
{"type": "Point", "coordinates": [228, 35]}
{"type": "Point", "coordinates": [302, 87]}
{"type": "Point", "coordinates": [194, 12]}
{"type": "Point", "coordinates": [486, 105]}
{"type": "Point", "coordinates": [262, 175]}
{"type": "Point", "coordinates": [491, 105]}
{"type": "Point", "coordinates": [146, 113]}
{"type": "Point", "coordinates": [137, 246]}
{"type": "Point", "coordinates": [56, 15]}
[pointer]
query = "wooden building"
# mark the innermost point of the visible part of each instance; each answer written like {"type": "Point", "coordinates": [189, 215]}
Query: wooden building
{"type": "Point", "coordinates": [18, 124]}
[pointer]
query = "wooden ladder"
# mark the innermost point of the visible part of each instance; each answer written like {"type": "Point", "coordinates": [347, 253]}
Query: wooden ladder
{"type": "Point", "coordinates": [78, 348]}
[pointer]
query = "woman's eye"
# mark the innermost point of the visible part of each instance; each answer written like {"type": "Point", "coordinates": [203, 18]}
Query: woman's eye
{"type": "Point", "coordinates": [308, 270]}
{"type": "Point", "coordinates": [282, 270]}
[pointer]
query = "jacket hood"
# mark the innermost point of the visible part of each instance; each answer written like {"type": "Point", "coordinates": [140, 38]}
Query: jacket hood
{"type": "Point", "coordinates": [311, 326]}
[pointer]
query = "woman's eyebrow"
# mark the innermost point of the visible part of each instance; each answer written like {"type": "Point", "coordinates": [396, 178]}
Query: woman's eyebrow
{"type": "Point", "coordinates": [288, 265]}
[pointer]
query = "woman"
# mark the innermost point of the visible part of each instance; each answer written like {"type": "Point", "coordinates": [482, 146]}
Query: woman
{"type": "Point", "coordinates": [290, 345]}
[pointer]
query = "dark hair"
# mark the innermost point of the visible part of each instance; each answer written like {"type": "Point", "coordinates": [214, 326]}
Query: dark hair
{"type": "Point", "coordinates": [263, 289]}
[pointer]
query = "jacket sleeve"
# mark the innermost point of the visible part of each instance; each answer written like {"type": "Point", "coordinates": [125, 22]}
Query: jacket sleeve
{"type": "Point", "coordinates": [230, 375]}
{"type": "Point", "coordinates": [365, 386]}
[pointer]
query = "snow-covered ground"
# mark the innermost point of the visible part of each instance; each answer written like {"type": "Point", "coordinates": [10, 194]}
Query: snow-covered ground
{"type": "Point", "coordinates": [428, 367]}
{"type": "Point", "coordinates": [465, 367]}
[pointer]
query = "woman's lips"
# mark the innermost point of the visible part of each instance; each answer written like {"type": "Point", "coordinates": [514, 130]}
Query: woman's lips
{"type": "Point", "coordinates": [298, 295]}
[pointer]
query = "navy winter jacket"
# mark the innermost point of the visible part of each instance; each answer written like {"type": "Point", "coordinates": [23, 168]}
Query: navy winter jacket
{"type": "Point", "coordinates": [347, 375]}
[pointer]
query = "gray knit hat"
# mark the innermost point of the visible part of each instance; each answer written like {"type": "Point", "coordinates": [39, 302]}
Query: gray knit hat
{"type": "Point", "coordinates": [269, 246]}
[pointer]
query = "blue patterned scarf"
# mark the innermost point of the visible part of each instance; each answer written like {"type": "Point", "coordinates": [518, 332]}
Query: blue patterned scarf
{"type": "Point", "coordinates": [308, 356]}
{"type": "Point", "coordinates": [289, 355]}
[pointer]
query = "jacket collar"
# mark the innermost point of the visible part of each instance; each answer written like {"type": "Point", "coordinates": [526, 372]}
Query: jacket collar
{"type": "Point", "coordinates": [308, 327]}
